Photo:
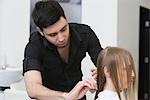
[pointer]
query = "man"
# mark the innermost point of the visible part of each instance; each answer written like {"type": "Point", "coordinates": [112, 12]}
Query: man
{"type": "Point", "coordinates": [52, 63]}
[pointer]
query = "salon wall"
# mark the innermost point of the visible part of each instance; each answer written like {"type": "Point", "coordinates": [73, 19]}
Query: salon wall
{"type": "Point", "coordinates": [14, 29]}
{"type": "Point", "coordinates": [1, 3]}
{"type": "Point", "coordinates": [101, 15]}
{"type": "Point", "coordinates": [128, 27]}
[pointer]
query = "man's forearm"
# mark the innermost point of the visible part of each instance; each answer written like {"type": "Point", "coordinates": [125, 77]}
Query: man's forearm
{"type": "Point", "coordinates": [36, 90]}
{"type": "Point", "coordinates": [40, 92]}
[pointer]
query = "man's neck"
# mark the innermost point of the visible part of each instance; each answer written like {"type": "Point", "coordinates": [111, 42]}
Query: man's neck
{"type": "Point", "coordinates": [64, 53]}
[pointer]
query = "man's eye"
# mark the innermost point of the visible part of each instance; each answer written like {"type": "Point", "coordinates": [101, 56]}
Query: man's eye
{"type": "Point", "coordinates": [52, 34]}
{"type": "Point", "coordinates": [62, 30]}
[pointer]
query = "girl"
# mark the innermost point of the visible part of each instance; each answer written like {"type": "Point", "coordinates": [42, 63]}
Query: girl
{"type": "Point", "coordinates": [115, 75]}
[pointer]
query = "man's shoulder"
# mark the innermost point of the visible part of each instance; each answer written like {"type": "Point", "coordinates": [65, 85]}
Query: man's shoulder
{"type": "Point", "coordinates": [79, 26]}
{"type": "Point", "coordinates": [35, 41]}
{"type": "Point", "coordinates": [35, 36]}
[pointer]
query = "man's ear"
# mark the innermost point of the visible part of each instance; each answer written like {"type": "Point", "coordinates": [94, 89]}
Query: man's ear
{"type": "Point", "coordinates": [40, 31]}
{"type": "Point", "coordinates": [106, 71]}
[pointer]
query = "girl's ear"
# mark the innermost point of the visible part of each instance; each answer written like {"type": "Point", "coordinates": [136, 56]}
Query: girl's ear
{"type": "Point", "coordinates": [106, 71]}
{"type": "Point", "coordinates": [40, 31]}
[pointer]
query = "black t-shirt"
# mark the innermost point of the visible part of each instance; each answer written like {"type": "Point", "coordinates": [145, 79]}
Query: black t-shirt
{"type": "Point", "coordinates": [56, 74]}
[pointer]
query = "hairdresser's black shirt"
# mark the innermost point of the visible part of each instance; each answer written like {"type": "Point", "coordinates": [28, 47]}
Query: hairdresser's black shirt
{"type": "Point", "coordinates": [43, 56]}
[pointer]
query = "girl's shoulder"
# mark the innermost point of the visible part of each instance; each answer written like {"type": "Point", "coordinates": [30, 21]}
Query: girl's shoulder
{"type": "Point", "coordinates": [107, 95]}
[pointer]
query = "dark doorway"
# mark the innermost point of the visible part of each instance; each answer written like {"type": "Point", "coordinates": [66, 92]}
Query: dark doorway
{"type": "Point", "coordinates": [144, 55]}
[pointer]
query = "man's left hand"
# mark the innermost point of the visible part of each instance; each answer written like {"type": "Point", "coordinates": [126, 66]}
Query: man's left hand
{"type": "Point", "coordinates": [94, 73]}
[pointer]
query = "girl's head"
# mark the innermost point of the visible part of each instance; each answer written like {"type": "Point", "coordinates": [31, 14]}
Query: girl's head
{"type": "Point", "coordinates": [117, 64]}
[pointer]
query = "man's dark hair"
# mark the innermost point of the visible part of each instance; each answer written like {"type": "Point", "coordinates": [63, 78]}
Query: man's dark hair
{"type": "Point", "coordinates": [46, 13]}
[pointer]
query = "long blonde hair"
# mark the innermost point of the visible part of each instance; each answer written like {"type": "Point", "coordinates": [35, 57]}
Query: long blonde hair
{"type": "Point", "coordinates": [116, 59]}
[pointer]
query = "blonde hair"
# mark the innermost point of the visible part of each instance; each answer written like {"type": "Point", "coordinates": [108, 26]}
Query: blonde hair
{"type": "Point", "coordinates": [116, 59]}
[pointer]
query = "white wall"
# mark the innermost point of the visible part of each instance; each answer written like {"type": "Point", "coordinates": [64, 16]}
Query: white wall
{"type": "Point", "coordinates": [101, 15]}
{"type": "Point", "coordinates": [128, 27]}
{"type": "Point", "coordinates": [14, 30]}
{"type": "Point", "coordinates": [1, 6]}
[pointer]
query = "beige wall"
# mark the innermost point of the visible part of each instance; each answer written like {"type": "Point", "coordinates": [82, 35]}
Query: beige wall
{"type": "Point", "coordinates": [101, 15]}
{"type": "Point", "coordinates": [145, 3]}
{"type": "Point", "coordinates": [128, 27]}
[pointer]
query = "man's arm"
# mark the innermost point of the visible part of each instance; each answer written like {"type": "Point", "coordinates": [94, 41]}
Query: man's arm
{"type": "Point", "coordinates": [35, 89]}
{"type": "Point", "coordinates": [94, 46]}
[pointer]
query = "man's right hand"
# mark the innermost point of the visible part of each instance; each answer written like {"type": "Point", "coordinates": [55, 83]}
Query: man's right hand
{"type": "Point", "coordinates": [81, 89]}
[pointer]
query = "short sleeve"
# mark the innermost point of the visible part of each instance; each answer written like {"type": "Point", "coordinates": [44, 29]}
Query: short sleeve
{"type": "Point", "coordinates": [32, 57]}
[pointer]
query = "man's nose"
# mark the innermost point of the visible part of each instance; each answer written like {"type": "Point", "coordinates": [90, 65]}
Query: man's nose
{"type": "Point", "coordinates": [60, 37]}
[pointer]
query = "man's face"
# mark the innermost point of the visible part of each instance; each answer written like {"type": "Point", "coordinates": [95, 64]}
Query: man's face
{"type": "Point", "coordinates": [58, 33]}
